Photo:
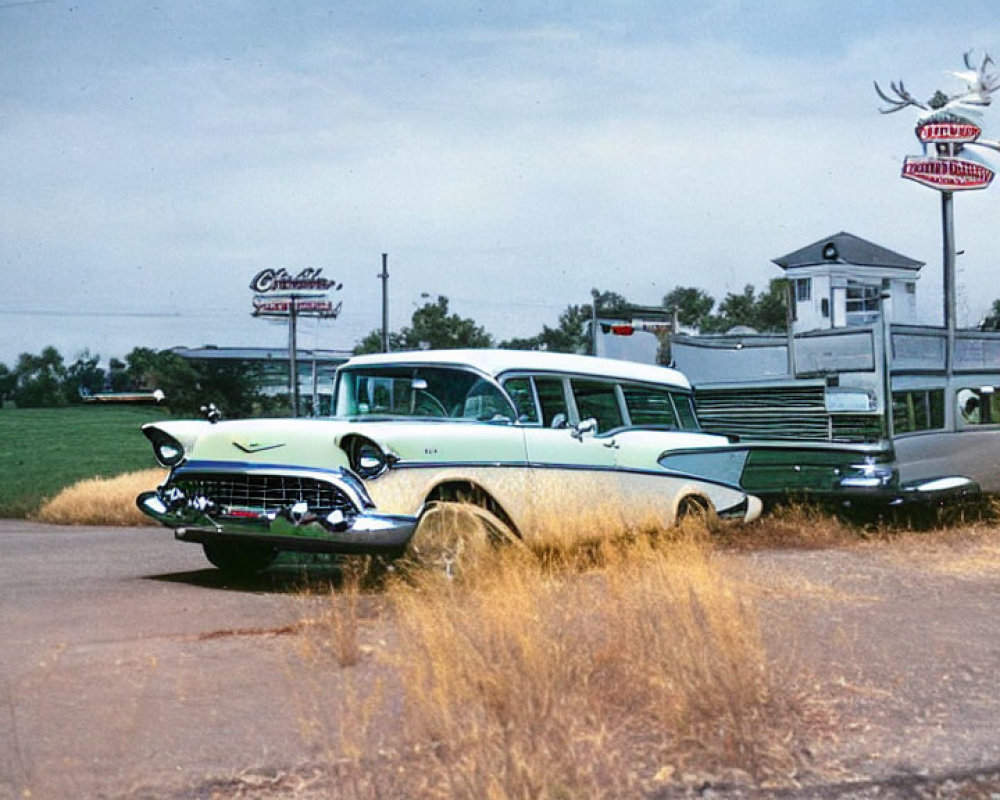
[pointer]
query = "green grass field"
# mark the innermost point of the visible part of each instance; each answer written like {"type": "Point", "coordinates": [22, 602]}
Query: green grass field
{"type": "Point", "coordinates": [46, 449]}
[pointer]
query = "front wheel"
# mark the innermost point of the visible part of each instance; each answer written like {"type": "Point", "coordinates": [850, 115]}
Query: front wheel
{"type": "Point", "coordinates": [240, 558]}
{"type": "Point", "coordinates": [455, 537]}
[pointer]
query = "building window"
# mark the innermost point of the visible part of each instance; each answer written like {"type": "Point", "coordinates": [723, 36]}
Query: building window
{"type": "Point", "coordinates": [918, 410]}
{"type": "Point", "coordinates": [861, 298]}
{"type": "Point", "coordinates": [803, 289]}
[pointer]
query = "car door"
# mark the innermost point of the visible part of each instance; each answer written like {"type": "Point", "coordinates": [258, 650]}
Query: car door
{"type": "Point", "coordinates": [573, 478]}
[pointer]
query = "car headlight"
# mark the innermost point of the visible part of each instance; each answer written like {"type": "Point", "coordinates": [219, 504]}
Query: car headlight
{"type": "Point", "coordinates": [368, 460]}
{"type": "Point", "coordinates": [167, 450]}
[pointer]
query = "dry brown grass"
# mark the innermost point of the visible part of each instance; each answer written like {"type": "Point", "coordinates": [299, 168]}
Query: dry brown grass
{"type": "Point", "coordinates": [102, 501]}
{"type": "Point", "coordinates": [793, 525]}
{"type": "Point", "coordinates": [970, 548]}
{"type": "Point", "coordinates": [603, 671]}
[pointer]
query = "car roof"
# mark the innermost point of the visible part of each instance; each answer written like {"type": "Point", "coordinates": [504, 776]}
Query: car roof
{"type": "Point", "coordinates": [496, 362]}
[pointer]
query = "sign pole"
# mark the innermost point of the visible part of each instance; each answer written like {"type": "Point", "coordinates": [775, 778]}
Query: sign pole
{"type": "Point", "coordinates": [315, 393]}
{"type": "Point", "coordinates": [293, 366]}
{"type": "Point", "coordinates": [948, 236]}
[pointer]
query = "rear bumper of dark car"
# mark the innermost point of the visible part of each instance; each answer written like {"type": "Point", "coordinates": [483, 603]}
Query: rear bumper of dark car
{"type": "Point", "coordinates": [910, 500]}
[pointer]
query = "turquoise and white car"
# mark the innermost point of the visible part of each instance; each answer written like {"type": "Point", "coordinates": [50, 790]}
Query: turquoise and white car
{"type": "Point", "coordinates": [540, 444]}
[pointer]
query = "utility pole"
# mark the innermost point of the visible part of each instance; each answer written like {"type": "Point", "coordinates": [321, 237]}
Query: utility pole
{"type": "Point", "coordinates": [593, 321]}
{"type": "Point", "coordinates": [384, 277]}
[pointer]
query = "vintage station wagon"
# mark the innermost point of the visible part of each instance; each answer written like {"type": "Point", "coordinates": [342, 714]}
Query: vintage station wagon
{"type": "Point", "coordinates": [533, 441]}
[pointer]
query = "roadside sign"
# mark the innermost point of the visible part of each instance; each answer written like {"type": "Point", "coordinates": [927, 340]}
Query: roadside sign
{"type": "Point", "coordinates": [954, 131]}
{"type": "Point", "coordinates": [947, 174]}
{"type": "Point", "coordinates": [304, 307]}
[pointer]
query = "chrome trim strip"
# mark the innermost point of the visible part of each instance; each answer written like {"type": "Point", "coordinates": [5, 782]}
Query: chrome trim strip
{"type": "Point", "coordinates": [661, 472]}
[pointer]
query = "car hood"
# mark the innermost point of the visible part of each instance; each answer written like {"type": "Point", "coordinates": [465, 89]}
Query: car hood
{"type": "Point", "coordinates": [308, 442]}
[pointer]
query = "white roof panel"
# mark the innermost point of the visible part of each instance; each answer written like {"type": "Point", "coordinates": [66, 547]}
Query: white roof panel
{"type": "Point", "coordinates": [498, 362]}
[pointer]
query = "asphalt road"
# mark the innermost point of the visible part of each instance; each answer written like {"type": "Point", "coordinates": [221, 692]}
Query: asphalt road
{"type": "Point", "coordinates": [126, 661]}
{"type": "Point", "coordinates": [130, 667]}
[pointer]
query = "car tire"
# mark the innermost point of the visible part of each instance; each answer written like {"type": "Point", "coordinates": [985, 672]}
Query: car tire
{"type": "Point", "coordinates": [239, 558]}
{"type": "Point", "coordinates": [455, 537]}
{"type": "Point", "coordinates": [697, 512]}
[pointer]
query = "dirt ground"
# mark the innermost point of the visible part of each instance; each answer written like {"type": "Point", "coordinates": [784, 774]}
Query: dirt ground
{"type": "Point", "coordinates": [901, 641]}
{"type": "Point", "coordinates": [130, 669]}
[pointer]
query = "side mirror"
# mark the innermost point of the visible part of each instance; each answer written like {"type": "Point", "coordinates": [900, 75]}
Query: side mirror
{"type": "Point", "coordinates": [418, 385]}
{"type": "Point", "coordinates": [584, 426]}
{"type": "Point", "coordinates": [558, 421]}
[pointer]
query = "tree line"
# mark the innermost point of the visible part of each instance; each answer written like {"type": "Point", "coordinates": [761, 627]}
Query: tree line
{"type": "Point", "coordinates": [46, 380]}
{"type": "Point", "coordinates": [433, 327]}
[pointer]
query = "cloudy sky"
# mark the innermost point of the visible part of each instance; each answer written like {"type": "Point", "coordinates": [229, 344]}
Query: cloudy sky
{"type": "Point", "coordinates": [155, 156]}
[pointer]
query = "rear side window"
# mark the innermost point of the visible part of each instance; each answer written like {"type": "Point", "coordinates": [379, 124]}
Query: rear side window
{"type": "Point", "coordinates": [649, 406]}
{"type": "Point", "coordinates": [685, 411]}
{"type": "Point", "coordinates": [599, 400]}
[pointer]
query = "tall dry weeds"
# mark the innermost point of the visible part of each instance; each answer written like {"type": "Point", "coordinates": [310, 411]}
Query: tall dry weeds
{"type": "Point", "coordinates": [598, 672]}
{"type": "Point", "coordinates": [102, 501]}
{"type": "Point", "coordinates": [796, 525]}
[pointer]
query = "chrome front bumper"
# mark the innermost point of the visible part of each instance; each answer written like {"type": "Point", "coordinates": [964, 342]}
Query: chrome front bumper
{"type": "Point", "coordinates": [189, 502]}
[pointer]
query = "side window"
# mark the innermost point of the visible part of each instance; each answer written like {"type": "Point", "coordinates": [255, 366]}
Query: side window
{"type": "Point", "coordinates": [685, 411]}
{"type": "Point", "coordinates": [649, 406]}
{"type": "Point", "coordinates": [598, 399]}
{"type": "Point", "coordinates": [552, 400]}
{"type": "Point", "coordinates": [918, 410]}
{"type": "Point", "coordinates": [978, 406]}
{"type": "Point", "coordinates": [520, 392]}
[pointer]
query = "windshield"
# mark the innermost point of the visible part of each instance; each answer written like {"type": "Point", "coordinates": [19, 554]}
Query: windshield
{"type": "Point", "coordinates": [409, 391]}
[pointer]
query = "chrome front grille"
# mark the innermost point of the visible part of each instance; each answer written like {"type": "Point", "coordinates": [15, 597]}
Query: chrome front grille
{"type": "Point", "coordinates": [263, 494]}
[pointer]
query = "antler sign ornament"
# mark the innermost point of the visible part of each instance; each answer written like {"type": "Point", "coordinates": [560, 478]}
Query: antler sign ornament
{"type": "Point", "coordinates": [949, 123]}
